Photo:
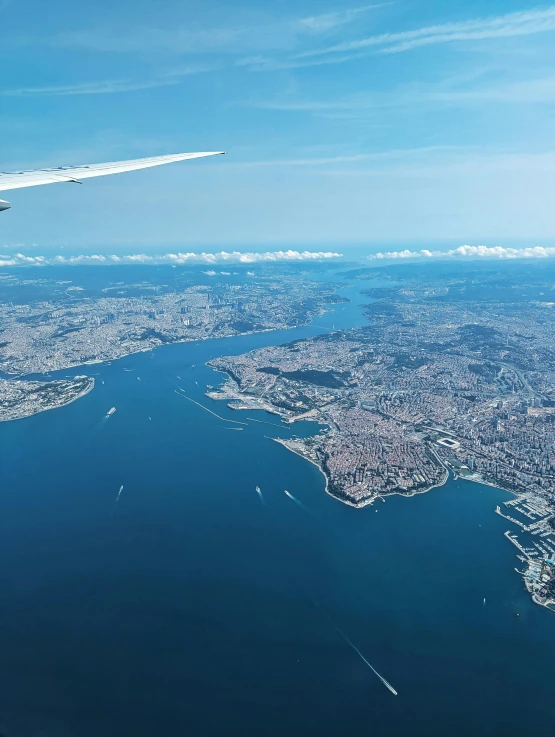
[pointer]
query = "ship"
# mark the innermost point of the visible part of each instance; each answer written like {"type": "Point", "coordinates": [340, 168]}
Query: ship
{"type": "Point", "coordinates": [258, 489]}
{"type": "Point", "coordinates": [111, 411]}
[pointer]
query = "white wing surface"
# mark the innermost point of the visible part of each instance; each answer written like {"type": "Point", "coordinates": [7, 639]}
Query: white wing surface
{"type": "Point", "coordinates": [18, 179]}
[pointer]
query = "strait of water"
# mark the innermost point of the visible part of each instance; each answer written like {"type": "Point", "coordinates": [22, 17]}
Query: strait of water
{"type": "Point", "coordinates": [190, 608]}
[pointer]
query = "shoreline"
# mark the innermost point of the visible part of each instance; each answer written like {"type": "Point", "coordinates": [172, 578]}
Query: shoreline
{"type": "Point", "coordinates": [9, 376]}
{"type": "Point", "coordinates": [489, 483]}
{"type": "Point", "coordinates": [82, 394]}
{"type": "Point", "coordinates": [47, 378]}
{"type": "Point", "coordinates": [297, 453]}
{"type": "Point", "coordinates": [363, 503]}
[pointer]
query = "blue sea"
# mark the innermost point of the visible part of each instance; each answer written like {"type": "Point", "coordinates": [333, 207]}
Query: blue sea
{"type": "Point", "coordinates": [191, 606]}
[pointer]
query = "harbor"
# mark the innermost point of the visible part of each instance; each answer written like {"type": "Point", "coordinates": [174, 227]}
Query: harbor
{"type": "Point", "coordinates": [539, 555]}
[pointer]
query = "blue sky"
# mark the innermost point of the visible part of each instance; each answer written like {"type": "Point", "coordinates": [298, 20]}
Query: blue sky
{"type": "Point", "coordinates": [371, 124]}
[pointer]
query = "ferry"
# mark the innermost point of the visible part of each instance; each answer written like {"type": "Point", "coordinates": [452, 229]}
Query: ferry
{"type": "Point", "coordinates": [111, 411]}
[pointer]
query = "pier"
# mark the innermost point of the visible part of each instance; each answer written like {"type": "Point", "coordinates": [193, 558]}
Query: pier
{"type": "Point", "coordinates": [516, 543]}
{"type": "Point", "coordinates": [511, 519]}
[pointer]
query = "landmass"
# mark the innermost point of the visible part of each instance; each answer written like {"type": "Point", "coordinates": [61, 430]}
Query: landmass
{"type": "Point", "coordinates": [20, 399]}
{"type": "Point", "coordinates": [455, 373]}
{"type": "Point", "coordinates": [55, 318]}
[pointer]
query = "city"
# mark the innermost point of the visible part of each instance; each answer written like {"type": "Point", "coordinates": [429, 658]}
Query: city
{"type": "Point", "coordinates": [72, 322]}
{"type": "Point", "coordinates": [429, 387]}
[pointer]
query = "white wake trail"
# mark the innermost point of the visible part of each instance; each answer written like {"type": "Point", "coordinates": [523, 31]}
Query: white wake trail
{"type": "Point", "coordinates": [357, 651]}
{"type": "Point", "coordinates": [298, 503]}
{"type": "Point", "coordinates": [117, 499]}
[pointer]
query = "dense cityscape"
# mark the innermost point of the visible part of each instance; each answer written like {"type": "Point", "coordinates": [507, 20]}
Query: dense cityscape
{"type": "Point", "coordinates": [52, 324]}
{"type": "Point", "coordinates": [435, 384]}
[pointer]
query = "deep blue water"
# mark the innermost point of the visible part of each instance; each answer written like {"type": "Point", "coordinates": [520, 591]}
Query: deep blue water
{"type": "Point", "coordinates": [187, 608]}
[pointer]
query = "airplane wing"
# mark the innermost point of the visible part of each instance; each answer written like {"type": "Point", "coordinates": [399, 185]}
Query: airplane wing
{"type": "Point", "coordinates": [18, 179]}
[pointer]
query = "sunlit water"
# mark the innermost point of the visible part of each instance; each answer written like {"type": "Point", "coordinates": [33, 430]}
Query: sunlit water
{"type": "Point", "coordinates": [190, 608]}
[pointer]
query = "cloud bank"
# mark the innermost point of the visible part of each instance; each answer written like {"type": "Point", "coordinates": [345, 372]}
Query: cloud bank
{"type": "Point", "coordinates": [462, 252]}
{"type": "Point", "coordinates": [177, 259]}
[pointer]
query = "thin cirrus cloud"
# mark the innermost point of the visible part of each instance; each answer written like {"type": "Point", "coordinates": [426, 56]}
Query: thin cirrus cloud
{"type": "Point", "coordinates": [277, 34]}
{"type": "Point", "coordinates": [468, 252]}
{"type": "Point", "coordinates": [105, 87]}
{"type": "Point", "coordinates": [522, 23]}
{"type": "Point", "coordinates": [330, 21]}
{"type": "Point", "coordinates": [402, 154]}
{"type": "Point", "coordinates": [532, 91]}
{"type": "Point", "coordinates": [175, 259]}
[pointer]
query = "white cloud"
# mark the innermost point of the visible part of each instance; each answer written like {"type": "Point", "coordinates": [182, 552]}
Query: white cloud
{"type": "Point", "coordinates": [509, 25]}
{"type": "Point", "coordinates": [268, 64]}
{"type": "Point", "coordinates": [329, 21]}
{"type": "Point", "coordinates": [20, 259]}
{"type": "Point", "coordinates": [402, 154]}
{"type": "Point", "coordinates": [106, 87]}
{"type": "Point", "coordinates": [478, 252]}
{"type": "Point", "coordinates": [274, 33]}
{"type": "Point", "coordinates": [535, 90]}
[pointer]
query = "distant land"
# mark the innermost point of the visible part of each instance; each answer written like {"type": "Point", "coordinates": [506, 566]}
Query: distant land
{"type": "Point", "coordinates": [56, 318]}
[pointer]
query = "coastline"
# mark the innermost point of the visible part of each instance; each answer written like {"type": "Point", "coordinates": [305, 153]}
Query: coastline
{"type": "Point", "coordinates": [489, 483]}
{"type": "Point", "coordinates": [107, 360]}
{"type": "Point", "coordinates": [89, 388]}
{"type": "Point", "coordinates": [365, 502]}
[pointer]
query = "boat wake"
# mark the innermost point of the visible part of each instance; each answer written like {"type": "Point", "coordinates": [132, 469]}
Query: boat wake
{"type": "Point", "coordinates": [117, 499]}
{"type": "Point", "coordinates": [357, 651]}
{"type": "Point", "coordinates": [298, 502]}
{"type": "Point", "coordinates": [259, 492]}
{"type": "Point", "coordinates": [103, 420]}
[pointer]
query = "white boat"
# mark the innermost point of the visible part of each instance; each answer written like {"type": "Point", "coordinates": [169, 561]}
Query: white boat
{"type": "Point", "coordinates": [111, 411]}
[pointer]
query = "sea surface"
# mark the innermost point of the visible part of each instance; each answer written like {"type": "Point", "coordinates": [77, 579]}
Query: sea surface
{"type": "Point", "coordinates": [191, 606]}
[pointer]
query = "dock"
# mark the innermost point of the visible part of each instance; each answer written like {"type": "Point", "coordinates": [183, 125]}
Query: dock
{"type": "Point", "coordinates": [516, 543]}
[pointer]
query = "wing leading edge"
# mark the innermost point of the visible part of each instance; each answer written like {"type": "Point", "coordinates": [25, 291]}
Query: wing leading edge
{"type": "Point", "coordinates": [19, 179]}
